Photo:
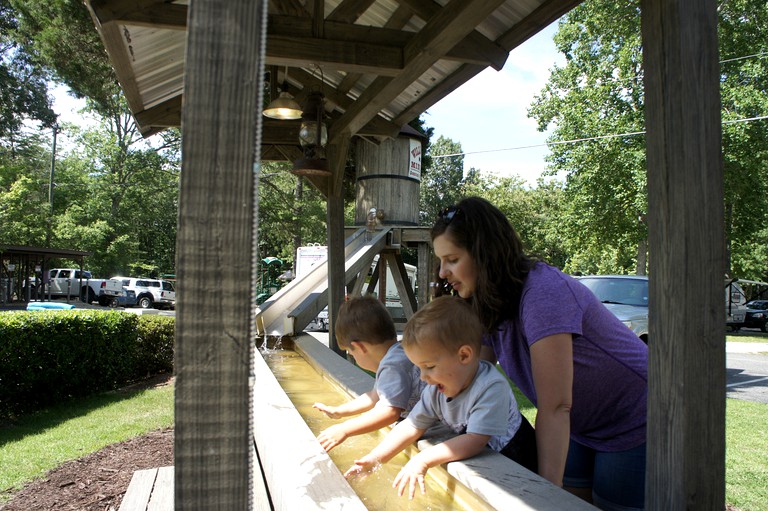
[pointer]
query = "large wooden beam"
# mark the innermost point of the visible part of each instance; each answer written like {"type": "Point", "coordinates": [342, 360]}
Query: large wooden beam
{"type": "Point", "coordinates": [216, 253]}
{"type": "Point", "coordinates": [686, 369]}
{"type": "Point", "coordinates": [467, 50]}
{"type": "Point", "coordinates": [449, 26]}
{"type": "Point", "coordinates": [149, 13]}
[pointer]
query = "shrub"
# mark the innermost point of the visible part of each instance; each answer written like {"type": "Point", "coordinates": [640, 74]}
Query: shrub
{"type": "Point", "coordinates": [47, 356]}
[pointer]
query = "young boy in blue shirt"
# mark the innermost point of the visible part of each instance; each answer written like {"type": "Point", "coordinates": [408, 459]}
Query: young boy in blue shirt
{"type": "Point", "coordinates": [365, 329]}
{"type": "Point", "coordinates": [467, 394]}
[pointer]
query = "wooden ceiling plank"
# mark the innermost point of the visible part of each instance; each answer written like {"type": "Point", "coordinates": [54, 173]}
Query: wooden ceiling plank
{"type": "Point", "coordinates": [443, 31]}
{"type": "Point", "coordinates": [428, 9]}
{"type": "Point", "coordinates": [344, 56]}
{"type": "Point", "coordinates": [349, 11]}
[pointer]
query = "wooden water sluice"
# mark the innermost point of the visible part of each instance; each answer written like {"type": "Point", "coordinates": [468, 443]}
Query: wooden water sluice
{"type": "Point", "coordinates": [300, 475]}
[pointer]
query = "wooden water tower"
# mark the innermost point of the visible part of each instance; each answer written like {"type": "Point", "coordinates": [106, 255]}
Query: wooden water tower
{"type": "Point", "coordinates": [388, 179]}
{"type": "Point", "coordinates": [387, 195]}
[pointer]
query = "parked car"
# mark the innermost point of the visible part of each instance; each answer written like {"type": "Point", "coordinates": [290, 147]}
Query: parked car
{"type": "Point", "coordinates": [626, 296]}
{"type": "Point", "coordinates": [149, 293]}
{"type": "Point", "coordinates": [757, 315]}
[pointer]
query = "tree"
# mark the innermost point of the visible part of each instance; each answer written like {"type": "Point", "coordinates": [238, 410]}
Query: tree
{"type": "Point", "coordinates": [441, 182]}
{"type": "Point", "coordinates": [23, 92]}
{"type": "Point", "coordinates": [59, 35]}
{"type": "Point", "coordinates": [291, 213]}
{"type": "Point", "coordinates": [599, 93]}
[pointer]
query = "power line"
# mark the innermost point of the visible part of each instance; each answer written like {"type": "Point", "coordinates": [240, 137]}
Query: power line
{"type": "Point", "coordinates": [577, 140]}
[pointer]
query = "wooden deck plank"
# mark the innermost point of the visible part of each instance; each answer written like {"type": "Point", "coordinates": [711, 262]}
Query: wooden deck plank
{"type": "Point", "coordinates": [139, 490]}
{"type": "Point", "coordinates": [162, 491]}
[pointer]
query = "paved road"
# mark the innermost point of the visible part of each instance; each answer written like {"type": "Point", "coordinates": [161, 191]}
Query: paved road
{"type": "Point", "coordinates": [747, 371]}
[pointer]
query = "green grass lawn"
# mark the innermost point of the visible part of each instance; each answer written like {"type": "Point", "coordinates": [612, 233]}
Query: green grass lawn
{"type": "Point", "coordinates": [746, 336]}
{"type": "Point", "coordinates": [44, 440]}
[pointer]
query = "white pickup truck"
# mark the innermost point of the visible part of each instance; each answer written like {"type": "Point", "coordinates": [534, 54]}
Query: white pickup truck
{"type": "Point", "coordinates": [73, 282]}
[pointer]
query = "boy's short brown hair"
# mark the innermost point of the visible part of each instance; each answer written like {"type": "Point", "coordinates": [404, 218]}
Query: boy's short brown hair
{"type": "Point", "coordinates": [364, 318]}
{"type": "Point", "coordinates": [448, 320]}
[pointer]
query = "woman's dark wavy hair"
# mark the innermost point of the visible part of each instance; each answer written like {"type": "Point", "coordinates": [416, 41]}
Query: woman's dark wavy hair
{"type": "Point", "coordinates": [479, 227]}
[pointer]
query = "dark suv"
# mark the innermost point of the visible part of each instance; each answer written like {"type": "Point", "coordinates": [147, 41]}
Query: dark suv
{"type": "Point", "coordinates": [757, 315]}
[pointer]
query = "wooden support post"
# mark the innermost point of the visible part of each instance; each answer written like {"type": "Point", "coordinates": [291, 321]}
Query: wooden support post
{"type": "Point", "coordinates": [686, 369]}
{"type": "Point", "coordinates": [424, 273]}
{"type": "Point", "coordinates": [337, 155]}
{"type": "Point", "coordinates": [215, 252]}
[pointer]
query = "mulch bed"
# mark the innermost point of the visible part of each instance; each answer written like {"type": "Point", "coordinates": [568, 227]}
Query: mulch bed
{"type": "Point", "coordinates": [98, 481]}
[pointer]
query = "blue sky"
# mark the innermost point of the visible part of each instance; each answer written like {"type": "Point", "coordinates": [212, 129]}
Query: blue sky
{"type": "Point", "coordinates": [489, 112]}
{"type": "Point", "coordinates": [486, 115]}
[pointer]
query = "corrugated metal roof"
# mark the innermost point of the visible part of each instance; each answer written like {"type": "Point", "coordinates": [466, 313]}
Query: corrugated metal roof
{"type": "Point", "coordinates": [150, 63]}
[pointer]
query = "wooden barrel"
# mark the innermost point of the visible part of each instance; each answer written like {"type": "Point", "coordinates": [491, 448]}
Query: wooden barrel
{"type": "Point", "coordinates": [388, 178]}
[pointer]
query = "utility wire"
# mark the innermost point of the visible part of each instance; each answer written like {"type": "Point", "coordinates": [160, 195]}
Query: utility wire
{"type": "Point", "coordinates": [577, 140]}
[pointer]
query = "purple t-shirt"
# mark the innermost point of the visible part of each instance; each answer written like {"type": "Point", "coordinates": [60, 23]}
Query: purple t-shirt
{"type": "Point", "coordinates": [610, 363]}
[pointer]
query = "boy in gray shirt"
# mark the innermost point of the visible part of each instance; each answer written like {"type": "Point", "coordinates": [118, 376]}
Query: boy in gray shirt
{"type": "Point", "coordinates": [465, 393]}
{"type": "Point", "coordinates": [365, 329]}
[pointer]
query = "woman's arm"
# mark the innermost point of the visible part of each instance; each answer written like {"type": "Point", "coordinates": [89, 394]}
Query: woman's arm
{"type": "Point", "coordinates": [552, 365]}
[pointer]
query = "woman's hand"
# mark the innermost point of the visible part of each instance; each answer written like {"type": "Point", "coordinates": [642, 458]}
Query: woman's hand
{"type": "Point", "coordinates": [333, 436]}
{"type": "Point", "coordinates": [409, 476]}
{"type": "Point", "coordinates": [330, 411]}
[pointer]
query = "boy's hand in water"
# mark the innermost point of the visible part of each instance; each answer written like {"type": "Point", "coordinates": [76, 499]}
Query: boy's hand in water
{"type": "Point", "coordinates": [330, 411]}
{"type": "Point", "coordinates": [364, 465]}
{"type": "Point", "coordinates": [331, 437]}
{"type": "Point", "coordinates": [409, 476]}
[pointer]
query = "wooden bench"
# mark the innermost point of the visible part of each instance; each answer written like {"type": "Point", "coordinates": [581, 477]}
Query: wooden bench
{"type": "Point", "coordinates": [150, 490]}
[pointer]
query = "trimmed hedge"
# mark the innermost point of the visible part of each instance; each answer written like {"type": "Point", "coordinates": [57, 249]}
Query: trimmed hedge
{"type": "Point", "coordinates": [48, 356]}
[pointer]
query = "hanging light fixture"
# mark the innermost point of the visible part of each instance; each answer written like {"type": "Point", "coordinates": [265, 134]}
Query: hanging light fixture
{"type": "Point", "coordinates": [284, 107]}
{"type": "Point", "coordinates": [313, 136]}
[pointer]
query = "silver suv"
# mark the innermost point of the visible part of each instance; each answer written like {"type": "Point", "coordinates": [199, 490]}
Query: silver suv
{"type": "Point", "coordinates": [150, 293]}
{"type": "Point", "coordinates": [626, 296]}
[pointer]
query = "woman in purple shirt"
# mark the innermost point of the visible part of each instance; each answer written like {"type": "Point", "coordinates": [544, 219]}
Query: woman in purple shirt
{"type": "Point", "coordinates": [585, 371]}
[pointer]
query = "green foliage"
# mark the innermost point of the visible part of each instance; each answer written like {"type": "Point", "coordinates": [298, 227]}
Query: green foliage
{"type": "Point", "coordinates": [442, 181]}
{"type": "Point", "coordinates": [291, 213]}
{"type": "Point", "coordinates": [59, 34]}
{"type": "Point", "coordinates": [23, 83]}
{"type": "Point", "coordinates": [47, 356]}
{"type": "Point", "coordinates": [599, 93]}
{"type": "Point", "coordinates": [154, 348]}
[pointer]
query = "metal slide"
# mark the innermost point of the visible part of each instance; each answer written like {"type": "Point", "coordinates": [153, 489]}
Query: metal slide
{"type": "Point", "coordinates": [292, 308]}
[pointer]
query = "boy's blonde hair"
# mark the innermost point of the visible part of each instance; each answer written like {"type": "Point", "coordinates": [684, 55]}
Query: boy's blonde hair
{"type": "Point", "coordinates": [448, 320]}
{"type": "Point", "coordinates": [364, 318]}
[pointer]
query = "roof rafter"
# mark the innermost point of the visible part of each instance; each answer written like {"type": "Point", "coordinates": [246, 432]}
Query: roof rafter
{"type": "Point", "coordinates": [450, 25]}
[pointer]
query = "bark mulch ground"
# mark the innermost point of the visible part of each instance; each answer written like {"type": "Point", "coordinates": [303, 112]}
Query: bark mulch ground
{"type": "Point", "coordinates": [98, 481]}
